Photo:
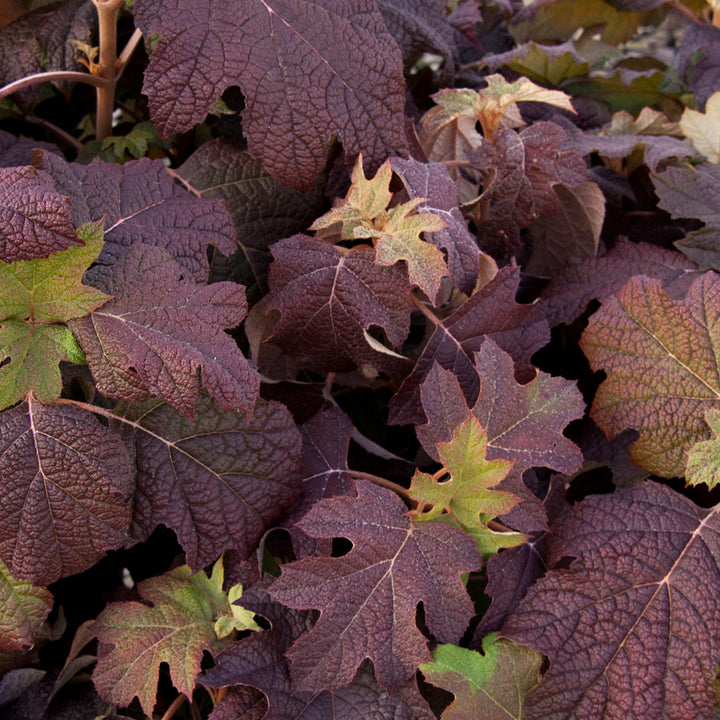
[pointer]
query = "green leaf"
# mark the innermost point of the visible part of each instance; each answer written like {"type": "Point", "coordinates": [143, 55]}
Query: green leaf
{"type": "Point", "coordinates": [400, 240]}
{"type": "Point", "coordinates": [49, 290]}
{"type": "Point", "coordinates": [491, 686]}
{"type": "Point", "coordinates": [179, 627]}
{"type": "Point", "coordinates": [23, 609]}
{"type": "Point", "coordinates": [703, 465]}
{"type": "Point", "coordinates": [36, 297]}
{"type": "Point", "coordinates": [467, 499]}
{"type": "Point", "coordinates": [363, 214]}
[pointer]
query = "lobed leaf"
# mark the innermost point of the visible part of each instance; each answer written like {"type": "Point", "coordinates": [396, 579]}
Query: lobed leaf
{"type": "Point", "coordinates": [35, 219]}
{"type": "Point", "coordinates": [218, 480]}
{"type": "Point", "coordinates": [491, 686]}
{"type": "Point", "coordinates": [693, 192]}
{"type": "Point", "coordinates": [160, 329]}
{"type": "Point", "coordinates": [140, 203]}
{"type": "Point", "coordinates": [492, 311]}
{"type": "Point", "coordinates": [67, 481]}
{"type": "Point", "coordinates": [262, 210]}
{"type": "Point", "coordinates": [321, 67]}
{"type": "Point", "coordinates": [328, 297]}
{"type": "Point", "coordinates": [703, 465]}
{"type": "Point", "coordinates": [703, 129]}
{"type": "Point", "coordinates": [259, 662]}
{"type": "Point", "coordinates": [368, 598]}
{"type": "Point", "coordinates": [631, 627]}
{"type": "Point", "coordinates": [134, 638]}
{"type": "Point", "coordinates": [469, 497]}
{"type": "Point", "coordinates": [660, 357]}
{"type": "Point", "coordinates": [24, 608]}
{"type": "Point", "coordinates": [524, 423]}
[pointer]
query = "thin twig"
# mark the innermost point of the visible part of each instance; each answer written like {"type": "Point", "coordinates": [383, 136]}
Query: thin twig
{"type": "Point", "coordinates": [73, 142]}
{"type": "Point", "coordinates": [174, 707]}
{"type": "Point", "coordinates": [126, 54]}
{"type": "Point", "coordinates": [69, 75]}
{"type": "Point", "coordinates": [382, 482]}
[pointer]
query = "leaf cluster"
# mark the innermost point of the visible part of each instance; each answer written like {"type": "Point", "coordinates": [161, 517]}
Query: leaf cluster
{"type": "Point", "coordinates": [369, 369]}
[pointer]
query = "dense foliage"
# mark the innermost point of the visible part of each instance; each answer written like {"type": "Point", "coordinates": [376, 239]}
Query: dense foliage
{"type": "Point", "coordinates": [359, 359]}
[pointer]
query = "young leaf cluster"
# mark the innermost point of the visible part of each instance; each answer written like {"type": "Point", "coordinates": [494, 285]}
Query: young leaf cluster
{"type": "Point", "coordinates": [368, 369]}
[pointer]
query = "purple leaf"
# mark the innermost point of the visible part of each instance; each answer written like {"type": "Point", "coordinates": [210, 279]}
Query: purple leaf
{"type": "Point", "coordinates": [329, 297]}
{"type": "Point", "coordinates": [492, 311]}
{"type": "Point", "coordinates": [151, 339]}
{"type": "Point", "coordinates": [368, 598]}
{"type": "Point", "coordinates": [218, 481]}
{"type": "Point", "coordinates": [35, 220]}
{"type": "Point", "coordinates": [321, 67]}
{"type": "Point", "coordinates": [631, 627]}
{"type": "Point", "coordinates": [141, 203]}
{"type": "Point", "coordinates": [66, 484]}
{"type": "Point", "coordinates": [259, 662]}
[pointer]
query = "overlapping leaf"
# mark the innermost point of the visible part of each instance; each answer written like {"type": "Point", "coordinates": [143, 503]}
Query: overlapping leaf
{"type": "Point", "coordinates": [697, 59]}
{"type": "Point", "coordinates": [524, 423]}
{"type": "Point", "coordinates": [522, 169]}
{"type": "Point", "coordinates": [432, 182]}
{"type": "Point", "coordinates": [35, 219]}
{"type": "Point", "coordinates": [328, 297]}
{"type": "Point", "coordinates": [160, 330]}
{"type": "Point", "coordinates": [140, 203]}
{"type": "Point", "coordinates": [135, 639]}
{"type": "Point", "coordinates": [67, 482]}
{"type": "Point", "coordinates": [218, 480]}
{"type": "Point", "coordinates": [262, 210]}
{"type": "Point", "coordinates": [572, 231]}
{"type": "Point", "coordinates": [491, 686]}
{"type": "Point", "coordinates": [631, 628]}
{"type": "Point", "coordinates": [368, 598]}
{"type": "Point", "coordinates": [395, 231]}
{"type": "Point", "coordinates": [23, 609]}
{"type": "Point", "coordinates": [693, 192]}
{"type": "Point", "coordinates": [660, 357]}
{"type": "Point", "coordinates": [321, 67]}
{"type": "Point", "coordinates": [703, 465]}
{"type": "Point", "coordinates": [259, 661]}
{"type": "Point", "coordinates": [36, 298]}
{"type": "Point", "coordinates": [703, 129]}
{"type": "Point", "coordinates": [518, 329]}
{"type": "Point", "coordinates": [468, 498]}
{"type": "Point", "coordinates": [568, 294]}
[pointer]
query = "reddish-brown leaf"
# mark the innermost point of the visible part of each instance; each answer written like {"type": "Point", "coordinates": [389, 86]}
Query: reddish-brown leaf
{"type": "Point", "coordinates": [368, 599]}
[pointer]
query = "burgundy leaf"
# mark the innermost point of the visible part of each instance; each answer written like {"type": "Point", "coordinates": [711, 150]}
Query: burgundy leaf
{"type": "Point", "coordinates": [693, 192]}
{"type": "Point", "coordinates": [568, 294]}
{"type": "Point", "coordinates": [697, 60]}
{"type": "Point", "coordinates": [524, 422]}
{"type": "Point", "coordinates": [141, 203]}
{"type": "Point", "coordinates": [218, 480]}
{"type": "Point", "coordinates": [259, 662]}
{"type": "Point", "coordinates": [321, 67]}
{"type": "Point", "coordinates": [151, 339]}
{"type": "Point", "coordinates": [328, 297]}
{"type": "Point", "coordinates": [492, 311]}
{"type": "Point", "coordinates": [511, 572]}
{"type": "Point", "coordinates": [67, 482]}
{"type": "Point", "coordinates": [35, 220]}
{"type": "Point", "coordinates": [326, 438]}
{"type": "Point", "coordinates": [42, 40]}
{"type": "Point", "coordinates": [420, 27]}
{"type": "Point", "coordinates": [262, 210]}
{"type": "Point", "coordinates": [432, 182]}
{"type": "Point", "coordinates": [18, 150]}
{"type": "Point", "coordinates": [523, 168]}
{"type": "Point", "coordinates": [631, 628]}
{"type": "Point", "coordinates": [368, 598]}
